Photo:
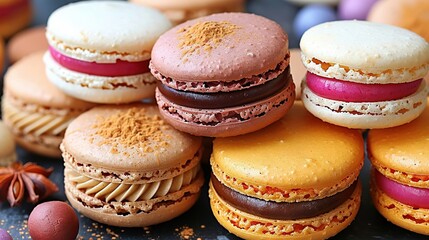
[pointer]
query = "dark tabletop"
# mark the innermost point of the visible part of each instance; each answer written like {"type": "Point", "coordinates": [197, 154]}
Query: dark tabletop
{"type": "Point", "coordinates": [369, 224]}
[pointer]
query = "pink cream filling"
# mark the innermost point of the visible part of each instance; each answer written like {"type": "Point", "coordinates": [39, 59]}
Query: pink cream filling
{"type": "Point", "coordinates": [118, 69]}
{"type": "Point", "coordinates": [357, 92]}
{"type": "Point", "coordinates": [10, 9]}
{"type": "Point", "coordinates": [412, 196]}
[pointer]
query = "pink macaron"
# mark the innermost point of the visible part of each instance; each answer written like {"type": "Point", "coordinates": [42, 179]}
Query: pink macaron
{"type": "Point", "coordinates": [223, 75]}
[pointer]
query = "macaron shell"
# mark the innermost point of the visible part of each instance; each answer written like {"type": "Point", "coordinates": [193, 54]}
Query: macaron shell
{"type": "Point", "coordinates": [365, 48]}
{"type": "Point", "coordinates": [297, 69]}
{"type": "Point", "coordinates": [413, 219]}
{"type": "Point", "coordinates": [254, 227]}
{"type": "Point", "coordinates": [238, 56]}
{"type": "Point", "coordinates": [30, 72]}
{"type": "Point", "coordinates": [27, 42]}
{"type": "Point", "coordinates": [107, 26]}
{"type": "Point", "coordinates": [256, 115]}
{"type": "Point", "coordinates": [403, 148]}
{"type": "Point", "coordinates": [303, 153]}
{"type": "Point", "coordinates": [181, 146]}
{"type": "Point", "coordinates": [410, 14]}
{"type": "Point", "coordinates": [370, 115]}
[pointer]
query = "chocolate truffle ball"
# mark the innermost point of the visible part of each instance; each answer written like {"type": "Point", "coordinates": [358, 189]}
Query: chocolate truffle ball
{"type": "Point", "coordinates": [4, 235]}
{"type": "Point", "coordinates": [53, 220]}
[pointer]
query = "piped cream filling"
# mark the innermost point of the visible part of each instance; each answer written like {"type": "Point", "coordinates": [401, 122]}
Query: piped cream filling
{"type": "Point", "coordinates": [124, 192]}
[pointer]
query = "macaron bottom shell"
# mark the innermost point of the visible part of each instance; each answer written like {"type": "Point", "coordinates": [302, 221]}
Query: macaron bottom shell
{"type": "Point", "coordinates": [248, 226]}
{"type": "Point", "coordinates": [166, 210]}
{"type": "Point", "coordinates": [230, 121]}
{"type": "Point", "coordinates": [402, 215]}
{"type": "Point", "coordinates": [364, 115]}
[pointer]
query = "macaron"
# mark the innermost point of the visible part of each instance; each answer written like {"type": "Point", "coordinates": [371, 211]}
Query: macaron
{"type": "Point", "coordinates": [179, 11]}
{"type": "Point", "coordinates": [26, 42]}
{"type": "Point", "coordinates": [103, 54]}
{"type": "Point", "coordinates": [7, 146]}
{"type": "Point", "coordinates": [126, 167]}
{"type": "Point", "coordinates": [355, 9]}
{"type": "Point", "coordinates": [297, 70]}
{"type": "Point", "coordinates": [36, 112]}
{"type": "Point", "coordinates": [312, 15]}
{"type": "Point", "coordinates": [400, 173]}
{"type": "Point", "coordinates": [373, 79]}
{"type": "Point", "coordinates": [295, 179]}
{"type": "Point", "coordinates": [217, 79]}
{"type": "Point", "coordinates": [14, 16]}
{"type": "Point", "coordinates": [410, 14]}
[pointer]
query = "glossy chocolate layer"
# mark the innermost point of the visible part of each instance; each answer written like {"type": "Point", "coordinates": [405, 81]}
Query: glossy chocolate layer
{"type": "Point", "coordinates": [284, 210]}
{"type": "Point", "coordinates": [226, 99]}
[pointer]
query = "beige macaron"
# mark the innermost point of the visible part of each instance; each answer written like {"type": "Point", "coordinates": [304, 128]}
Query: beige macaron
{"type": "Point", "coordinates": [179, 11]}
{"type": "Point", "coordinates": [125, 166]}
{"type": "Point", "coordinates": [36, 111]}
{"type": "Point", "coordinates": [26, 42]}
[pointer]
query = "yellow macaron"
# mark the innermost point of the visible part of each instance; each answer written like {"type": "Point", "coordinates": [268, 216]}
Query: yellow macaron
{"type": "Point", "coordinates": [295, 179]}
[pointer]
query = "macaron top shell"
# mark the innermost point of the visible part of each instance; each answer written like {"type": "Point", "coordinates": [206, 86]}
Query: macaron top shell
{"type": "Point", "coordinates": [186, 4]}
{"type": "Point", "coordinates": [99, 138]}
{"type": "Point", "coordinates": [27, 81]}
{"type": "Point", "coordinates": [297, 152]}
{"type": "Point", "coordinates": [106, 27]}
{"type": "Point", "coordinates": [255, 46]}
{"type": "Point", "coordinates": [382, 52]}
{"type": "Point", "coordinates": [403, 148]}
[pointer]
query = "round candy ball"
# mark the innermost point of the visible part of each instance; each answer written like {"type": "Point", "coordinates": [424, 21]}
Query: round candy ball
{"type": "Point", "coordinates": [4, 235]}
{"type": "Point", "coordinates": [354, 9]}
{"type": "Point", "coordinates": [312, 15]}
{"type": "Point", "coordinates": [53, 220]}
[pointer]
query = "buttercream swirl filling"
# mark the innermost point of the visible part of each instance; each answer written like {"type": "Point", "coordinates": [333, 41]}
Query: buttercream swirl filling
{"type": "Point", "coordinates": [117, 69]}
{"type": "Point", "coordinates": [126, 192]}
{"type": "Point", "coordinates": [281, 210]}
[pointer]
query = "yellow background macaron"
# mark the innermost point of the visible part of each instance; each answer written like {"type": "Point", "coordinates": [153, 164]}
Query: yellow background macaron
{"type": "Point", "coordinates": [401, 155]}
{"type": "Point", "coordinates": [297, 159]}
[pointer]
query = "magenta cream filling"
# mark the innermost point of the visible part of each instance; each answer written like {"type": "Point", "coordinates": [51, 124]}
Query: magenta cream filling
{"type": "Point", "coordinates": [118, 69]}
{"type": "Point", "coordinates": [412, 196]}
{"type": "Point", "coordinates": [346, 91]}
{"type": "Point", "coordinates": [11, 9]}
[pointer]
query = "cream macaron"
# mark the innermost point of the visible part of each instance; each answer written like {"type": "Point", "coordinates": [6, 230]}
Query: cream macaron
{"type": "Point", "coordinates": [364, 74]}
{"type": "Point", "coordinates": [125, 166]}
{"type": "Point", "coordinates": [179, 11]}
{"type": "Point", "coordinates": [100, 50]}
{"type": "Point", "coordinates": [36, 111]}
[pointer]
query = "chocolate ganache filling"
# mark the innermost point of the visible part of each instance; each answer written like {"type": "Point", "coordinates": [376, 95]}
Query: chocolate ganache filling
{"type": "Point", "coordinates": [281, 210]}
{"type": "Point", "coordinates": [226, 99]}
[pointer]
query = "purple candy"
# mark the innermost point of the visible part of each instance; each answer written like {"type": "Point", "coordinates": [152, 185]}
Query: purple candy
{"type": "Point", "coordinates": [4, 235]}
{"type": "Point", "coordinates": [312, 15]}
{"type": "Point", "coordinates": [354, 9]}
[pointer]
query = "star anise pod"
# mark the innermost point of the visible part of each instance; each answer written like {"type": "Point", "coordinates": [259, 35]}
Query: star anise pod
{"type": "Point", "coordinates": [31, 180]}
